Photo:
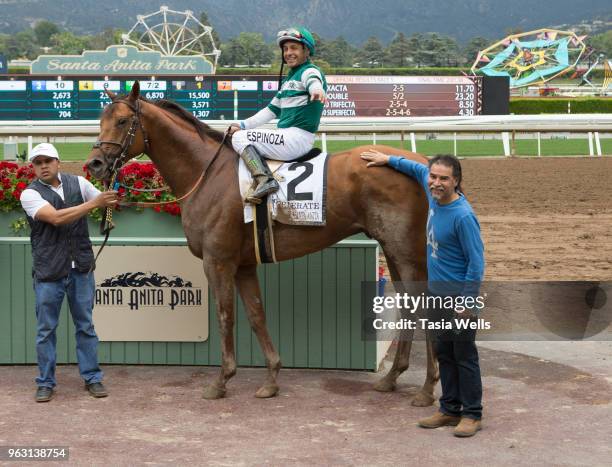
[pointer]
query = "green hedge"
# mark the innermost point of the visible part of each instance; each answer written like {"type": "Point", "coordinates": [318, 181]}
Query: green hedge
{"type": "Point", "coordinates": [553, 105]}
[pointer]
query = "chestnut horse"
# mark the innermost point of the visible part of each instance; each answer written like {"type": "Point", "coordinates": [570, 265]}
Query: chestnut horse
{"type": "Point", "coordinates": [381, 202]}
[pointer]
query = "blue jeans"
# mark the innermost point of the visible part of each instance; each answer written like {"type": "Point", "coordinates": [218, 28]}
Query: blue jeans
{"type": "Point", "coordinates": [459, 374]}
{"type": "Point", "coordinates": [459, 367]}
{"type": "Point", "coordinates": [79, 288]}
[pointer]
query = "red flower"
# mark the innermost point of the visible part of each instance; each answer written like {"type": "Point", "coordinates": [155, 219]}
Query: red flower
{"type": "Point", "coordinates": [21, 186]}
{"type": "Point", "coordinates": [138, 184]}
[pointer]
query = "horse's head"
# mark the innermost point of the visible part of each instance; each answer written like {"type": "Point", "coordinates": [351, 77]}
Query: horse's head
{"type": "Point", "coordinates": [121, 137]}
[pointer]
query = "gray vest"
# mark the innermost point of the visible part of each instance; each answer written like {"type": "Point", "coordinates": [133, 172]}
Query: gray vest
{"type": "Point", "coordinates": [55, 248]}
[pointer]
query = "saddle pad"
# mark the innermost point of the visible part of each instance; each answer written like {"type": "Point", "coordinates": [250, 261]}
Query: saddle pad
{"type": "Point", "coordinates": [302, 195]}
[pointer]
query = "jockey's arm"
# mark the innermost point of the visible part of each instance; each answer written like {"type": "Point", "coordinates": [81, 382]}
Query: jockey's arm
{"type": "Point", "coordinates": [316, 91]}
{"type": "Point", "coordinates": [260, 118]}
{"type": "Point", "coordinates": [313, 81]}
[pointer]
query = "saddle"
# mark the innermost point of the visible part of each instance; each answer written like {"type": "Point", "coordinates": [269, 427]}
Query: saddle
{"type": "Point", "coordinates": [299, 201]}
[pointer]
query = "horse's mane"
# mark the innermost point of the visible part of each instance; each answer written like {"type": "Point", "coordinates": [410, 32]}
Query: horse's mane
{"type": "Point", "coordinates": [202, 128]}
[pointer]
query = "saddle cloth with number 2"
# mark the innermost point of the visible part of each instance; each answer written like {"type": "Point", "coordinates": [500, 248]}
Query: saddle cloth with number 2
{"type": "Point", "coordinates": [302, 195]}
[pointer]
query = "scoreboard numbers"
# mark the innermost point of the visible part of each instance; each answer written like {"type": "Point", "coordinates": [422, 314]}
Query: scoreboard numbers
{"type": "Point", "coordinates": [236, 98]}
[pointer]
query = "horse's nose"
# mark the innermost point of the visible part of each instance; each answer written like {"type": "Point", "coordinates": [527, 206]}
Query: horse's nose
{"type": "Point", "coordinates": [95, 167]}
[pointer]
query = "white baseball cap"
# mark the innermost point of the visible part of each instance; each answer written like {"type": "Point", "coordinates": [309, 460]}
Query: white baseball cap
{"type": "Point", "coordinates": [43, 149]}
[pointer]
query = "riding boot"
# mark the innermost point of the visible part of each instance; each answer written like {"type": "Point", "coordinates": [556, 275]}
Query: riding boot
{"type": "Point", "coordinates": [265, 181]}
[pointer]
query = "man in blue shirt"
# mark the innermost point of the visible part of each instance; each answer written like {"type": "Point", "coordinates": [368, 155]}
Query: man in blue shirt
{"type": "Point", "coordinates": [455, 267]}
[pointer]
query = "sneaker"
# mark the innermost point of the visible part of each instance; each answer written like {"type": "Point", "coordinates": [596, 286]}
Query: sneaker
{"type": "Point", "coordinates": [467, 427]}
{"type": "Point", "coordinates": [438, 419]}
{"type": "Point", "coordinates": [44, 394]}
{"type": "Point", "coordinates": [96, 389]}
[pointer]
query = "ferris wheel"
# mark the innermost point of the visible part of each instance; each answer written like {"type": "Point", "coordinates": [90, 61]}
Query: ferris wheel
{"type": "Point", "coordinates": [173, 32]}
{"type": "Point", "coordinates": [533, 57]}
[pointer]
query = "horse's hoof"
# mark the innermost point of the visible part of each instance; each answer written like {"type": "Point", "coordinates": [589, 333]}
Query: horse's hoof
{"type": "Point", "coordinates": [423, 400]}
{"type": "Point", "coordinates": [385, 385]}
{"type": "Point", "coordinates": [213, 392]}
{"type": "Point", "coordinates": [269, 390]}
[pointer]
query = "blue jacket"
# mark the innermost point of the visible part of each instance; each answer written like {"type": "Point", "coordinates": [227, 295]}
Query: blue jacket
{"type": "Point", "coordinates": [455, 252]}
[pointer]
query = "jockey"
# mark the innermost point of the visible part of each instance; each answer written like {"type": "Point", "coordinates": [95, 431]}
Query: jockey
{"type": "Point", "coordinates": [298, 106]}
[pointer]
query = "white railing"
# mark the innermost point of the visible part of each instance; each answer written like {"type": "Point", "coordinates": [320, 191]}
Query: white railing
{"type": "Point", "coordinates": [508, 125]}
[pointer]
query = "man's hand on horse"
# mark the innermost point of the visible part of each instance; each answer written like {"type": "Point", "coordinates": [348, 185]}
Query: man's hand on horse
{"type": "Point", "coordinates": [318, 95]}
{"type": "Point", "coordinates": [106, 199]}
{"type": "Point", "coordinates": [233, 128]}
{"type": "Point", "coordinates": [374, 158]}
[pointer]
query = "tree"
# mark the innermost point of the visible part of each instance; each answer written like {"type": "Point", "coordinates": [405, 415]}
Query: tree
{"type": "Point", "coordinates": [602, 43]}
{"type": "Point", "coordinates": [372, 52]}
{"type": "Point", "coordinates": [231, 53]}
{"type": "Point", "coordinates": [416, 44]}
{"type": "Point", "coordinates": [254, 49]}
{"type": "Point", "coordinates": [43, 32]}
{"type": "Point", "coordinates": [106, 38]}
{"type": "Point", "coordinates": [66, 43]}
{"type": "Point", "coordinates": [475, 45]}
{"type": "Point", "coordinates": [398, 52]}
{"type": "Point", "coordinates": [205, 40]}
{"type": "Point", "coordinates": [22, 45]}
{"type": "Point", "coordinates": [338, 53]}
{"type": "Point", "coordinates": [438, 50]}
{"type": "Point", "coordinates": [449, 54]}
{"type": "Point", "coordinates": [249, 48]}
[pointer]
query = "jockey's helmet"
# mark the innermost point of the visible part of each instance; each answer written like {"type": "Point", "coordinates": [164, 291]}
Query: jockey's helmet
{"type": "Point", "coordinates": [301, 35]}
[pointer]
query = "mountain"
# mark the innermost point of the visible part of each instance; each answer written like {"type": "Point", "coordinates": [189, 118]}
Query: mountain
{"type": "Point", "coordinates": [355, 20]}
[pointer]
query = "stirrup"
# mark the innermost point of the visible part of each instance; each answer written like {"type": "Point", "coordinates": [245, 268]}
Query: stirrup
{"type": "Point", "coordinates": [262, 190]}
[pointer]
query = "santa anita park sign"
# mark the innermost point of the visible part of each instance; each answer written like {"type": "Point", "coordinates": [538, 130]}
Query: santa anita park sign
{"type": "Point", "coordinates": [121, 60]}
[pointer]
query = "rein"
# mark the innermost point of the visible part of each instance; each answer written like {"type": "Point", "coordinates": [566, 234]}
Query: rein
{"type": "Point", "coordinates": [186, 195]}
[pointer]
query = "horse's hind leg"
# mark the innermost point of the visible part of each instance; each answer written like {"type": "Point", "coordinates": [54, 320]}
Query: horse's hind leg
{"type": "Point", "coordinates": [248, 287]}
{"type": "Point", "coordinates": [401, 361]}
{"type": "Point", "coordinates": [410, 270]}
{"type": "Point", "coordinates": [220, 279]}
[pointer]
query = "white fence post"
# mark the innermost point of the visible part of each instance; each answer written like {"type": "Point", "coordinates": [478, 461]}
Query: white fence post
{"type": "Point", "coordinates": [506, 143]}
{"type": "Point", "coordinates": [539, 144]}
{"type": "Point", "coordinates": [597, 143]}
{"type": "Point", "coordinates": [591, 143]}
{"type": "Point", "coordinates": [413, 142]}
{"type": "Point", "coordinates": [324, 142]}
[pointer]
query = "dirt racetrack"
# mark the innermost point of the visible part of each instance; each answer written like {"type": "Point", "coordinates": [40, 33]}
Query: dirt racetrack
{"type": "Point", "coordinates": [545, 218]}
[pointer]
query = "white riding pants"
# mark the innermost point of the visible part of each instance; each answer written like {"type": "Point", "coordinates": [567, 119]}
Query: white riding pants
{"type": "Point", "coordinates": [281, 144]}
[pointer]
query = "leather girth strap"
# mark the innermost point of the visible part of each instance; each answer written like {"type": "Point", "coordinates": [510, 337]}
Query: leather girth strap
{"type": "Point", "coordinates": [263, 233]}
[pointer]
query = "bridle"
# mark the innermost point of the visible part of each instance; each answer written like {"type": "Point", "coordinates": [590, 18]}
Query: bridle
{"type": "Point", "coordinates": [128, 139]}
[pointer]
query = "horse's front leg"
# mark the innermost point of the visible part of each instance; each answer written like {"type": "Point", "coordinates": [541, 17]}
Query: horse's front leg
{"type": "Point", "coordinates": [220, 278]}
{"type": "Point", "coordinates": [248, 287]}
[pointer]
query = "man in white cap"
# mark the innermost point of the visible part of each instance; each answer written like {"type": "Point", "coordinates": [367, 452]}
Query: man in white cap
{"type": "Point", "coordinates": [56, 205]}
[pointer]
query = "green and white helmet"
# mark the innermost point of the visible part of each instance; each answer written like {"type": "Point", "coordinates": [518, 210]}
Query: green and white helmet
{"type": "Point", "coordinates": [301, 35]}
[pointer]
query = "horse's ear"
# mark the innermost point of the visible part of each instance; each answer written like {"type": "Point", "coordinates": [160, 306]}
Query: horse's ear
{"type": "Point", "coordinates": [135, 92]}
{"type": "Point", "coordinates": [110, 94]}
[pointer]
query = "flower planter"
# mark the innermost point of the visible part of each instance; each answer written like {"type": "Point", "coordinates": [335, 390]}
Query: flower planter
{"type": "Point", "coordinates": [128, 223]}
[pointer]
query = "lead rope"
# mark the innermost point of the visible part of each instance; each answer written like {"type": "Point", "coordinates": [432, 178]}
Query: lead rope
{"type": "Point", "coordinates": [106, 224]}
